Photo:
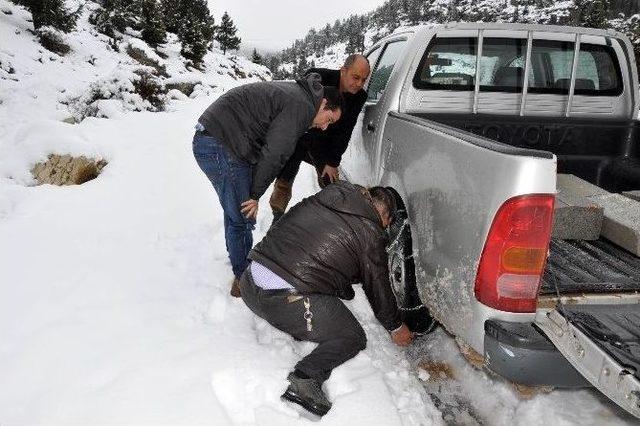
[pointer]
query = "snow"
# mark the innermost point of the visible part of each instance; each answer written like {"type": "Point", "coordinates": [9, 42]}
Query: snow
{"type": "Point", "coordinates": [497, 403]}
{"type": "Point", "coordinates": [114, 304]}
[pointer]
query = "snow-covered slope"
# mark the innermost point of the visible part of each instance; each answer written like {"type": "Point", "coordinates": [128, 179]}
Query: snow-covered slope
{"type": "Point", "coordinates": [40, 89]}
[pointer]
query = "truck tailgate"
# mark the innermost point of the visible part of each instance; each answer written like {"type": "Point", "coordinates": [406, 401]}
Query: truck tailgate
{"type": "Point", "coordinates": [589, 267]}
{"type": "Point", "coordinates": [603, 343]}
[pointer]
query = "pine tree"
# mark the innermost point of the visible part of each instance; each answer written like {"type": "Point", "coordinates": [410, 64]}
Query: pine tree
{"type": "Point", "coordinates": [256, 58]}
{"type": "Point", "coordinates": [325, 37]}
{"type": "Point", "coordinates": [631, 28]}
{"type": "Point", "coordinates": [195, 29]}
{"type": "Point", "coordinates": [414, 11]}
{"type": "Point", "coordinates": [115, 16]}
{"type": "Point", "coordinates": [171, 11]}
{"type": "Point", "coordinates": [52, 13]}
{"type": "Point", "coordinates": [152, 22]}
{"type": "Point", "coordinates": [354, 42]}
{"type": "Point", "coordinates": [515, 17]}
{"type": "Point", "coordinates": [355, 39]}
{"type": "Point", "coordinates": [226, 34]}
{"type": "Point", "coordinates": [591, 13]}
{"type": "Point", "coordinates": [301, 67]}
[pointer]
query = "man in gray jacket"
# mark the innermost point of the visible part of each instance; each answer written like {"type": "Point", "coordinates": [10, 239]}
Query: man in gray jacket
{"type": "Point", "coordinates": [307, 262]}
{"type": "Point", "coordinates": [243, 140]}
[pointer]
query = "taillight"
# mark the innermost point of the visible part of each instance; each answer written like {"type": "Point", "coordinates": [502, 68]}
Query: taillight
{"type": "Point", "coordinates": [515, 254]}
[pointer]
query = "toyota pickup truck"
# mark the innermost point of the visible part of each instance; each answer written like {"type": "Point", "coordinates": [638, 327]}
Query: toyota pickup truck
{"type": "Point", "coordinates": [471, 125]}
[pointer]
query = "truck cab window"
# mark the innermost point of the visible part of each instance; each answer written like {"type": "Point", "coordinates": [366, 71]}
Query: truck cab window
{"type": "Point", "coordinates": [554, 61]}
{"type": "Point", "coordinates": [502, 64]}
{"type": "Point", "coordinates": [449, 64]}
{"type": "Point", "coordinates": [597, 73]}
{"type": "Point", "coordinates": [382, 71]}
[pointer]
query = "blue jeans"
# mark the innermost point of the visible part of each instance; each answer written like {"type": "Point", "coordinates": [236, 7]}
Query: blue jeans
{"type": "Point", "coordinates": [231, 178]}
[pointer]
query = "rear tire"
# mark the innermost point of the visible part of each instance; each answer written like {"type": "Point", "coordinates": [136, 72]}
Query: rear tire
{"type": "Point", "coordinates": [402, 274]}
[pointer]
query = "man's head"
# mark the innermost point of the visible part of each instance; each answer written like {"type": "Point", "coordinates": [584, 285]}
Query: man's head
{"type": "Point", "coordinates": [330, 109]}
{"type": "Point", "coordinates": [354, 73]}
{"type": "Point", "coordinates": [385, 203]}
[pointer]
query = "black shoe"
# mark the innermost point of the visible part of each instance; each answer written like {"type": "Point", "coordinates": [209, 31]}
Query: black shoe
{"type": "Point", "coordinates": [308, 394]}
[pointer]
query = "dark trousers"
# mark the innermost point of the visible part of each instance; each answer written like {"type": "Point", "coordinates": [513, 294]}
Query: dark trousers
{"type": "Point", "coordinates": [303, 152]}
{"type": "Point", "coordinates": [338, 333]}
{"type": "Point", "coordinates": [231, 179]}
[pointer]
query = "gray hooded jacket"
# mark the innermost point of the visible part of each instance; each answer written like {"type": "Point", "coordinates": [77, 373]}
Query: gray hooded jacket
{"type": "Point", "coordinates": [260, 123]}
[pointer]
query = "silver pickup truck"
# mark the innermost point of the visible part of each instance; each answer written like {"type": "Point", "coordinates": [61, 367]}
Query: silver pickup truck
{"type": "Point", "coordinates": [470, 125]}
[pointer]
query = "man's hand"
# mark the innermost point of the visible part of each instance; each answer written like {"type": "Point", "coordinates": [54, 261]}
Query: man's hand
{"type": "Point", "coordinates": [249, 208]}
{"type": "Point", "coordinates": [331, 172]}
{"type": "Point", "coordinates": [402, 336]}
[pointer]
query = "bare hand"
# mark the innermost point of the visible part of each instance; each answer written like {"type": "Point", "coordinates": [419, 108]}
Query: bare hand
{"type": "Point", "coordinates": [332, 172]}
{"type": "Point", "coordinates": [249, 208]}
{"type": "Point", "coordinates": [402, 336]}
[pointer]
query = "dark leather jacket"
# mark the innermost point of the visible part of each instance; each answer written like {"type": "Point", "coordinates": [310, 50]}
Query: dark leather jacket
{"type": "Point", "coordinates": [328, 242]}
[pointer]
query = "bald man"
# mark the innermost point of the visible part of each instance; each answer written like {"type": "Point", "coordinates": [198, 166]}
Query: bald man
{"type": "Point", "coordinates": [324, 150]}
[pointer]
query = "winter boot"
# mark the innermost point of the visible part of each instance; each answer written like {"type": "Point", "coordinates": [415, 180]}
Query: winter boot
{"type": "Point", "coordinates": [280, 198]}
{"type": "Point", "coordinates": [235, 287]}
{"type": "Point", "coordinates": [308, 394]}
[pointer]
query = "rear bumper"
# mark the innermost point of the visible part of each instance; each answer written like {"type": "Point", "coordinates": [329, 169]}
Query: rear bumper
{"type": "Point", "coordinates": [522, 354]}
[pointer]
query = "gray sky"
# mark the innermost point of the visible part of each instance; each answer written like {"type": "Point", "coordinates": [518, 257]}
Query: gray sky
{"type": "Point", "coordinates": [275, 24]}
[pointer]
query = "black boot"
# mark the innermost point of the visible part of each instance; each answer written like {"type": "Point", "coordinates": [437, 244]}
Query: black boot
{"type": "Point", "coordinates": [307, 393]}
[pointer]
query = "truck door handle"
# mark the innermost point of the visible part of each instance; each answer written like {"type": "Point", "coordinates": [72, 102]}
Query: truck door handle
{"type": "Point", "coordinates": [371, 127]}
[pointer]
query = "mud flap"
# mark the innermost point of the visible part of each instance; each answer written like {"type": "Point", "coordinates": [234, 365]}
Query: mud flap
{"type": "Point", "coordinates": [603, 343]}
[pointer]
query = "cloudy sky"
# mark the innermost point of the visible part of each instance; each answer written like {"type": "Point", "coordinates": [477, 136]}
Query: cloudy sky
{"type": "Point", "coordinates": [275, 24]}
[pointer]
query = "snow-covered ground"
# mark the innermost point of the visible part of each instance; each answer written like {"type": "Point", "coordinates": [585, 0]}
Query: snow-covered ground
{"type": "Point", "coordinates": [114, 304]}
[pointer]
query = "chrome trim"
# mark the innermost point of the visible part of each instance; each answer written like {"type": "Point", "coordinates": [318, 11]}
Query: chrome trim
{"type": "Point", "coordinates": [527, 66]}
{"type": "Point", "coordinates": [476, 89]}
{"type": "Point", "coordinates": [574, 68]}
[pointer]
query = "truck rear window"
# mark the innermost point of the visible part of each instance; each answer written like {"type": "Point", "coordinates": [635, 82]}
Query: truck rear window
{"type": "Point", "coordinates": [450, 64]}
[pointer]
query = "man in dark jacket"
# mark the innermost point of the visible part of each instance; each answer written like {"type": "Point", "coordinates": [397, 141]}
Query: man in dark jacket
{"type": "Point", "coordinates": [244, 138]}
{"type": "Point", "coordinates": [324, 150]}
{"type": "Point", "coordinates": [307, 262]}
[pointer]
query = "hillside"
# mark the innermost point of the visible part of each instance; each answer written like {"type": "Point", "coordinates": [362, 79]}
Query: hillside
{"type": "Point", "coordinates": [330, 45]}
{"type": "Point", "coordinates": [95, 78]}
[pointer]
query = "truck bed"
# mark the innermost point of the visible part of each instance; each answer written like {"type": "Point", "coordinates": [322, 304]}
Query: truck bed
{"type": "Point", "coordinates": [604, 153]}
{"type": "Point", "coordinates": [589, 267]}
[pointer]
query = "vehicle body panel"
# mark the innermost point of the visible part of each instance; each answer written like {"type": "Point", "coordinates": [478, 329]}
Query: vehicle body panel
{"type": "Point", "coordinates": [452, 182]}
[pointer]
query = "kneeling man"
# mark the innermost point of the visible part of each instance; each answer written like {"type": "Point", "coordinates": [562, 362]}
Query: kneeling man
{"type": "Point", "coordinates": [307, 262]}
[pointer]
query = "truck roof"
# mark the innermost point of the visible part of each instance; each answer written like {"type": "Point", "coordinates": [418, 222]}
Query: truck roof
{"type": "Point", "coordinates": [512, 27]}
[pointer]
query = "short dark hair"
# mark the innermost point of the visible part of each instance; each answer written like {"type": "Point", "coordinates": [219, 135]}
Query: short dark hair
{"type": "Point", "coordinates": [334, 99]}
{"type": "Point", "coordinates": [351, 59]}
{"type": "Point", "coordinates": [385, 199]}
